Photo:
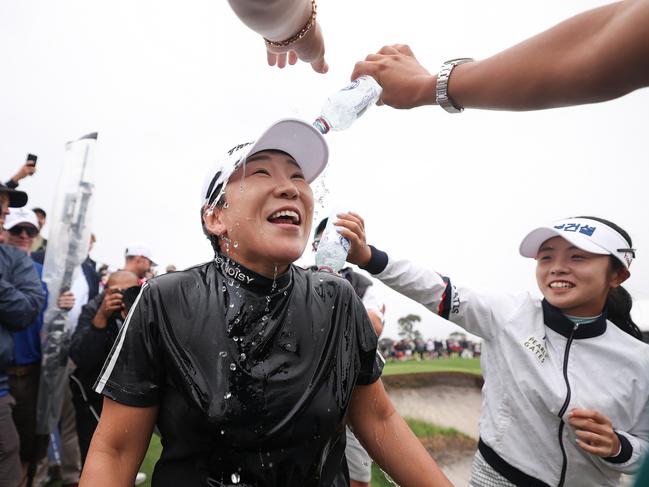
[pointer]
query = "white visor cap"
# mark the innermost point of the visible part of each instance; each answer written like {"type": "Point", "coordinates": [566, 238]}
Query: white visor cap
{"type": "Point", "coordinates": [299, 139]}
{"type": "Point", "coordinates": [589, 235]}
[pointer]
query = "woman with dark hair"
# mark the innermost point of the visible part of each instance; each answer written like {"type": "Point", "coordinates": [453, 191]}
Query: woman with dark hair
{"type": "Point", "coordinates": [566, 394]}
{"type": "Point", "coordinates": [250, 366]}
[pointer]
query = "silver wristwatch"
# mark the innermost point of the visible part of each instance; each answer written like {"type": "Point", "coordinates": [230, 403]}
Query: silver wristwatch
{"type": "Point", "coordinates": [441, 88]}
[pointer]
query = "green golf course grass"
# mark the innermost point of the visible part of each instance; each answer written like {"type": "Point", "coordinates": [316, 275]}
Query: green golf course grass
{"type": "Point", "coordinates": [470, 365]}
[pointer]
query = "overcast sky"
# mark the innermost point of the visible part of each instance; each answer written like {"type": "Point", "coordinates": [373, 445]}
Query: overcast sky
{"type": "Point", "coordinates": [171, 85]}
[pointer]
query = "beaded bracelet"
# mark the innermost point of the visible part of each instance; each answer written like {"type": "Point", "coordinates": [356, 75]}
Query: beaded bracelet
{"type": "Point", "coordinates": [300, 34]}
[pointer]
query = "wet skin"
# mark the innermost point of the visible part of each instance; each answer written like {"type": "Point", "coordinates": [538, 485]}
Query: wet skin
{"type": "Point", "coordinates": [585, 278]}
{"type": "Point", "coordinates": [272, 181]}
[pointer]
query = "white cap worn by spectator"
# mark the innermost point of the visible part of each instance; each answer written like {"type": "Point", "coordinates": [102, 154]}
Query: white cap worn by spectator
{"type": "Point", "coordinates": [20, 215]}
{"type": "Point", "coordinates": [140, 249]}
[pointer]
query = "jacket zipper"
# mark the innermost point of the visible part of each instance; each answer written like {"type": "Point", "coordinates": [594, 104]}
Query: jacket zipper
{"type": "Point", "coordinates": [562, 424]}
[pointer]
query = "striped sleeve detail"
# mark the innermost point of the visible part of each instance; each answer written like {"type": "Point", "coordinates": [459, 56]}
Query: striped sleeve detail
{"type": "Point", "coordinates": [444, 308]}
{"type": "Point", "coordinates": [109, 365]}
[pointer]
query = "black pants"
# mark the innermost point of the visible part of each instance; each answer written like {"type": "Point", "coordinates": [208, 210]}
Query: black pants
{"type": "Point", "coordinates": [85, 402]}
{"type": "Point", "coordinates": [23, 383]}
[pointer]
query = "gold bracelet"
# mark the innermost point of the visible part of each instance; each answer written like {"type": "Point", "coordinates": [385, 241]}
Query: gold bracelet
{"type": "Point", "coordinates": [300, 34]}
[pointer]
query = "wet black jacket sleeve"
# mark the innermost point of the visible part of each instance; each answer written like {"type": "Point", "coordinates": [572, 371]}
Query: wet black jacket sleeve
{"type": "Point", "coordinates": [132, 373]}
{"type": "Point", "coordinates": [21, 292]}
{"type": "Point", "coordinates": [91, 345]}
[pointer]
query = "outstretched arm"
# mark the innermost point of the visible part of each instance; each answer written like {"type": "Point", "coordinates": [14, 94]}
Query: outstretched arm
{"type": "Point", "coordinates": [595, 56]}
{"type": "Point", "coordinates": [389, 441]}
{"type": "Point", "coordinates": [279, 20]}
{"type": "Point", "coordinates": [118, 445]}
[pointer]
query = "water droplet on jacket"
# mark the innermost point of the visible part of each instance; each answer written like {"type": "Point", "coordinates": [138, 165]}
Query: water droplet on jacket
{"type": "Point", "coordinates": [231, 305]}
{"type": "Point", "coordinates": [235, 477]}
{"type": "Point", "coordinates": [223, 354]}
{"type": "Point", "coordinates": [236, 339]}
{"type": "Point", "coordinates": [285, 293]}
{"type": "Point", "coordinates": [232, 367]}
{"type": "Point", "coordinates": [228, 395]}
{"type": "Point", "coordinates": [222, 432]}
{"type": "Point", "coordinates": [242, 356]}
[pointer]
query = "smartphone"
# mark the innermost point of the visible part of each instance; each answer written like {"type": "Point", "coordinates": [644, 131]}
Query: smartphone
{"type": "Point", "coordinates": [32, 159]}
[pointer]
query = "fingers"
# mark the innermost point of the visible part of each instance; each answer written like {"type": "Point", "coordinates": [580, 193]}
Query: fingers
{"type": "Point", "coordinates": [597, 445]}
{"type": "Point", "coordinates": [320, 65]}
{"type": "Point", "coordinates": [292, 58]}
{"type": "Point", "coordinates": [358, 218]}
{"type": "Point", "coordinates": [594, 450]}
{"type": "Point", "coordinates": [277, 59]}
{"type": "Point", "coordinates": [590, 438]}
{"type": "Point", "coordinates": [585, 413]}
{"type": "Point", "coordinates": [374, 57]}
{"type": "Point", "coordinates": [404, 49]}
{"type": "Point", "coordinates": [388, 50]}
{"type": "Point", "coordinates": [351, 222]}
{"type": "Point", "coordinates": [366, 68]}
{"type": "Point", "coordinates": [594, 432]}
{"type": "Point", "coordinates": [590, 425]}
{"type": "Point", "coordinates": [397, 49]}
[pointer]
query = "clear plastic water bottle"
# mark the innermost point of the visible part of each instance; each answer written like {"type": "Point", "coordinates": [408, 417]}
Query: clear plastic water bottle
{"type": "Point", "coordinates": [332, 249]}
{"type": "Point", "coordinates": [342, 109]}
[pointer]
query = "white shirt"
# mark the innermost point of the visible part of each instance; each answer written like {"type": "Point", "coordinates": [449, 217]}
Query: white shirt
{"type": "Point", "coordinates": [523, 364]}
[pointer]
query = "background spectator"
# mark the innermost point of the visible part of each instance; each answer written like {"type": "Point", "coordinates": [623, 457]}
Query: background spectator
{"type": "Point", "coordinates": [21, 299]}
{"type": "Point", "coordinates": [21, 229]}
{"type": "Point", "coordinates": [40, 242]}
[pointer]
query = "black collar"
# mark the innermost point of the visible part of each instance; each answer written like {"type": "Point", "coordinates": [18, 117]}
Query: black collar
{"type": "Point", "coordinates": [554, 318]}
{"type": "Point", "coordinates": [241, 275]}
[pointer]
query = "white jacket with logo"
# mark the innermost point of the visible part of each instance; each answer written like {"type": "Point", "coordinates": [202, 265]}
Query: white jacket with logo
{"type": "Point", "coordinates": [537, 367]}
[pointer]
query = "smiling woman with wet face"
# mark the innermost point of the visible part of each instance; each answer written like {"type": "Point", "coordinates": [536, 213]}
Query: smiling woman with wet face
{"type": "Point", "coordinates": [249, 365]}
{"type": "Point", "coordinates": [566, 394]}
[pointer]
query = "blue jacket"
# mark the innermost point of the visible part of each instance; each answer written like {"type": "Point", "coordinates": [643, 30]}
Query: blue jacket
{"type": "Point", "coordinates": [27, 342]}
{"type": "Point", "coordinates": [21, 300]}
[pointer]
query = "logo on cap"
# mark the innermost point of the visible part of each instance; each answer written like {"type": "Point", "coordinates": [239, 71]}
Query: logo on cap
{"type": "Point", "coordinates": [574, 227]}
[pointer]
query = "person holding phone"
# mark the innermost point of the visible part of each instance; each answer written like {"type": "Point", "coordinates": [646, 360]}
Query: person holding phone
{"type": "Point", "coordinates": [27, 169]}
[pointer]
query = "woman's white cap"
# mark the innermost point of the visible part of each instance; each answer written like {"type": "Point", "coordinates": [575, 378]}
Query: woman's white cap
{"type": "Point", "coordinates": [589, 235]}
{"type": "Point", "coordinates": [299, 139]}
